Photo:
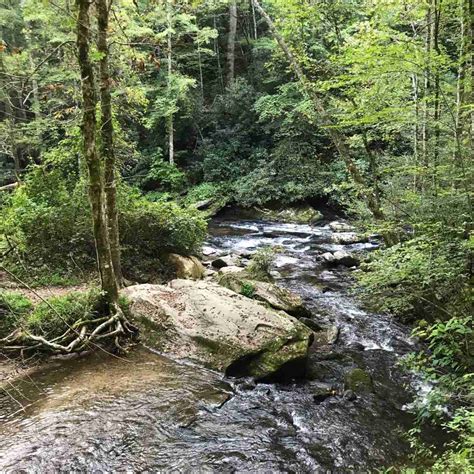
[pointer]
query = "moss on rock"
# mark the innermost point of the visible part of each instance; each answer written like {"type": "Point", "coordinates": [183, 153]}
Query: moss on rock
{"type": "Point", "coordinates": [358, 381]}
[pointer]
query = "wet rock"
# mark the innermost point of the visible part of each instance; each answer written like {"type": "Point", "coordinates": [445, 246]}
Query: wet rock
{"type": "Point", "coordinates": [340, 226]}
{"type": "Point", "coordinates": [303, 214]}
{"type": "Point", "coordinates": [322, 392]}
{"type": "Point", "coordinates": [209, 273]}
{"type": "Point", "coordinates": [274, 274]}
{"type": "Point", "coordinates": [246, 254]}
{"type": "Point", "coordinates": [327, 336]}
{"type": "Point", "coordinates": [276, 297]}
{"type": "Point", "coordinates": [345, 258]}
{"type": "Point", "coordinates": [328, 258]}
{"type": "Point", "coordinates": [225, 261]}
{"type": "Point", "coordinates": [218, 328]}
{"type": "Point", "coordinates": [207, 251]}
{"type": "Point", "coordinates": [357, 346]}
{"type": "Point", "coordinates": [186, 267]}
{"type": "Point", "coordinates": [247, 385]}
{"type": "Point", "coordinates": [340, 257]}
{"type": "Point", "coordinates": [358, 380]}
{"type": "Point", "coordinates": [311, 323]}
{"type": "Point", "coordinates": [230, 269]}
{"type": "Point", "coordinates": [204, 204]}
{"type": "Point", "coordinates": [349, 395]}
{"type": "Point", "coordinates": [346, 238]}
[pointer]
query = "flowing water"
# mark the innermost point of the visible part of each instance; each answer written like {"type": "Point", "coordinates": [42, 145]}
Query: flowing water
{"type": "Point", "coordinates": [149, 413]}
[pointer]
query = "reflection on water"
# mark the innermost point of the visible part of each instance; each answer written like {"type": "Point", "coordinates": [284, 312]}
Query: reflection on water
{"type": "Point", "coordinates": [100, 413]}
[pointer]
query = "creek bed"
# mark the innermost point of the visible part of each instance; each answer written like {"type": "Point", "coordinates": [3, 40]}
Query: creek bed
{"type": "Point", "coordinates": [150, 413]}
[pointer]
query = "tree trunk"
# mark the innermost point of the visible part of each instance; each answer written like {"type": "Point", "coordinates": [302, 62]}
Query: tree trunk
{"type": "Point", "coordinates": [107, 140]}
{"type": "Point", "coordinates": [437, 102]}
{"type": "Point", "coordinates": [11, 147]}
{"type": "Point", "coordinates": [470, 56]}
{"type": "Point", "coordinates": [170, 124]}
{"type": "Point", "coordinates": [336, 137]}
{"type": "Point", "coordinates": [231, 42]}
{"type": "Point", "coordinates": [254, 20]}
{"type": "Point", "coordinates": [427, 90]}
{"type": "Point", "coordinates": [416, 107]}
{"type": "Point", "coordinates": [460, 86]}
{"type": "Point", "coordinates": [96, 182]}
{"type": "Point", "coordinates": [218, 56]}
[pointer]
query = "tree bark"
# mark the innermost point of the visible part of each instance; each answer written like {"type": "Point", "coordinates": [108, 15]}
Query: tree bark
{"type": "Point", "coordinates": [437, 102]}
{"type": "Point", "coordinates": [218, 56]}
{"type": "Point", "coordinates": [254, 21]}
{"type": "Point", "coordinates": [416, 107]}
{"type": "Point", "coordinates": [336, 137]}
{"type": "Point", "coordinates": [107, 140]}
{"type": "Point", "coordinates": [427, 90]}
{"type": "Point", "coordinates": [96, 182]}
{"type": "Point", "coordinates": [170, 121]}
{"type": "Point", "coordinates": [231, 42]}
{"type": "Point", "coordinates": [470, 55]}
{"type": "Point", "coordinates": [460, 86]}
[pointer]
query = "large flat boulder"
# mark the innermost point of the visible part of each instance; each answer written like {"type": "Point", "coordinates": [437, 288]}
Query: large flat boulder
{"type": "Point", "coordinates": [218, 328]}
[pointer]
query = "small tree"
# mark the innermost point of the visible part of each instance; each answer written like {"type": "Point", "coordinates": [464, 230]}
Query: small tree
{"type": "Point", "coordinates": [100, 164]}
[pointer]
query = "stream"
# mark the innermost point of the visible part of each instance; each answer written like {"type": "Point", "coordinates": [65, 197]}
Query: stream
{"type": "Point", "coordinates": [149, 413]}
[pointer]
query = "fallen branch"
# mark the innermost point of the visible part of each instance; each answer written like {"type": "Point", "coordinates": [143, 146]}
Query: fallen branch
{"type": "Point", "coordinates": [9, 187]}
{"type": "Point", "coordinates": [79, 336]}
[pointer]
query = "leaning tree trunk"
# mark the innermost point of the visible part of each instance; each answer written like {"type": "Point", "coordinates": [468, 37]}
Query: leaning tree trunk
{"type": "Point", "coordinates": [92, 158]}
{"type": "Point", "coordinates": [107, 144]}
{"type": "Point", "coordinates": [336, 137]}
{"type": "Point", "coordinates": [231, 42]}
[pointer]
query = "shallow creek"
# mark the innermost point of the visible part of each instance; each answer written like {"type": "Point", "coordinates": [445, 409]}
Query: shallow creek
{"type": "Point", "coordinates": [149, 413]}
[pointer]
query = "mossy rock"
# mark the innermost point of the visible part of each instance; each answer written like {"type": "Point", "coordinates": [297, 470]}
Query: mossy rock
{"type": "Point", "coordinates": [269, 293]}
{"type": "Point", "coordinates": [358, 381]}
{"type": "Point", "coordinates": [297, 214]}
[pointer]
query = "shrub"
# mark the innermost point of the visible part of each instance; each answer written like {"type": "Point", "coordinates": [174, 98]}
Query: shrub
{"type": "Point", "coordinates": [54, 317]}
{"type": "Point", "coordinates": [50, 225]}
{"type": "Point", "coordinates": [164, 176]}
{"type": "Point", "coordinates": [422, 277]}
{"type": "Point", "coordinates": [262, 261]}
{"type": "Point", "coordinates": [247, 290]}
{"type": "Point", "coordinates": [154, 228]}
{"type": "Point", "coordinates": [13, 308]}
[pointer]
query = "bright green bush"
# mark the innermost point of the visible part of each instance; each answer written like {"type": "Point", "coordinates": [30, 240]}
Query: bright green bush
{"type": "Point", "coordinates": [247, 289]}
{"type": "Point", "coordinates": [49, 223]}
{"type": "Point", "coordinates": [163, 176]}
{"type": "Point", "coordinates": [54, 317]}
{"type": "Point", "coordinates": [261, 264]}
{"type": "Point", "coordinates": [13, 308]}
{"type": "Point", "coordinates": [155, 228]}
{"type": "Point", "coordinates": [422, 277]}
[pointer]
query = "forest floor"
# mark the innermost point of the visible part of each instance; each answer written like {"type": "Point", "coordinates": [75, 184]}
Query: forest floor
{"type": "Point", "coordinates": [39, 293]}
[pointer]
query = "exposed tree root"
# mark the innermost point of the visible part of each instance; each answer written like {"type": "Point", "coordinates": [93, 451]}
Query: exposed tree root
{"type": "Point", "coordinates": [83, 335]}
